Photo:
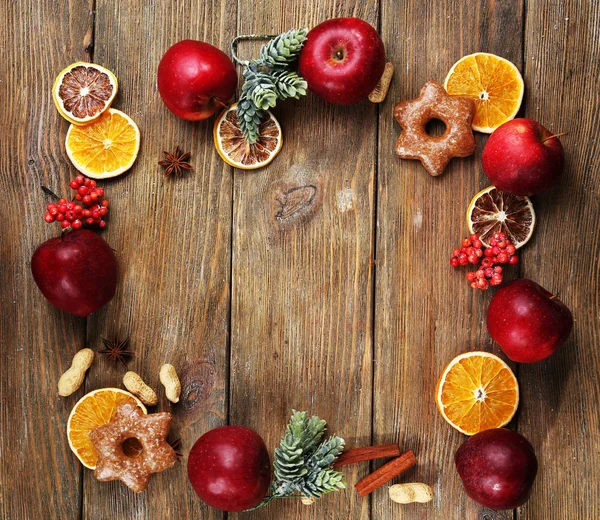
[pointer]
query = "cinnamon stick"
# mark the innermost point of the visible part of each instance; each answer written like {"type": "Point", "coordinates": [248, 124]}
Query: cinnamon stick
{"type": "Point", "coordinates": [367, 453]}
{"type": "Point", "coordinates": [386, 473]}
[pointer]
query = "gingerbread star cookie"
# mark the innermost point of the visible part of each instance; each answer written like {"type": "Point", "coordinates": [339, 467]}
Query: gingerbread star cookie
{"type": "Point", "coordinates": [435, 152]}
{"type": "Point", "coordinates": [154, 453]}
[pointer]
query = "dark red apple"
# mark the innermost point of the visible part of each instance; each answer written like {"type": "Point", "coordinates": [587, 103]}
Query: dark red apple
{"type": "Point", "coordinates": [528, 322]}
{"type": "Point", "coordinates": [195, 79]}
{"type": "Point", "coordinates": [497, 468]}
{"type": "Point", "coordinates": [229, 468]}
{"type": "Point", "coordinates": [523, 158]}
{"type": "Point", "coordinates": [342, 60]}
{"type": "Point", "coordinates": [76, 272]}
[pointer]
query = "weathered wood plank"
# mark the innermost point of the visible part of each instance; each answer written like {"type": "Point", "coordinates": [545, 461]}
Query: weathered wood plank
{"type": "Point", "coordinates": [172, 237]}
{"type": "Point", "coordinates": [39, 477]}
{"type": "Point", "coordinates": [559, 412]}
{"type": "Point", "coordinates": [426, 313]}
{"type": "Point", "coordinates": [302, 283]}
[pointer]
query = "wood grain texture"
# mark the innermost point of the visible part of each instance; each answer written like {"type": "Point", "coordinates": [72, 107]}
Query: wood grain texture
{"type": "Point", "coordinates": [425, 312]}
{"type": "Point", "coordinates": [559, 411]}
{"type": "Point", "coordinates": [302, 286]}
{"type": "Point", "coordinates": [39, 477]}
{"type": "Point", "coordinates": [172, 237]}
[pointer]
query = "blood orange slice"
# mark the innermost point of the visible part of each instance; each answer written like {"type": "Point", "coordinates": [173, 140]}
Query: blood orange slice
{"type": "Point", "coordinates": [477, 391]}
{"type": "Point", "coordinates": [93, 410]}
{"type": "Point", "coordinates": [493, 211]}
{"type": "Point", "coordinates": [83, 91]}
{"type": "Point", "coordinates": [236, 151]}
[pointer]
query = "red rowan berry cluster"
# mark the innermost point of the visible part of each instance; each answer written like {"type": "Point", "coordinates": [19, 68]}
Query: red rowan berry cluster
{"type": "Point", "coordinates": [88, 208]}
{"type": "Point", "coordinates": [501, 251]}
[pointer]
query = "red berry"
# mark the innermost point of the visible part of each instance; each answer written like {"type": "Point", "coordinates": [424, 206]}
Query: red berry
{"type": "Point", "coordinates": [95, 215]}
{"type": "Point", "coordinates": [474, 237]}
{"type": "Point", "coordinates": [471, 276]}
{"type": "Point", "coordinates": [62, 201]}
{"type": "Point", "coordinates": [92, 183]}
{"type": "Point", "coordinates": [53, 211]}
{"type": "Point", "coordinates": [100, 192]}
{"type": "Point", "coordinates": [65, 224]}
{"type": "Point", "coordinates": [78, 197]}
{"type": "Point", "coordinates": [86, 181]}
{"type": "Point", "coordinates": [477, 243]}
{"type": "Point", "coordinates": [62, 208]}
{"type": "Point", "coordinates": [51, 206]}
{"type": "Point", "coordinates": [70, 206]}
{"type": "Point", "coordinates": [502, 258]}
{"type": "Point", "coordinates": [74, 184]}
{"type": "Point", "coordinates": [486, 262]}
{"type": "Point", "coordinates": [456, 252]}
{"type": "Point", "coordinates": [78, 209]}
{"type": "Point", "coordinates": [478, 253]}
{"type": "Point", "coordinates": [473, 259]}
{"type": "Point", "coordinates": [89, 221]}
{"type": "Point", "coordinates": [511, 249]}
{"type": "Point", "coordinates": [105, 203]}
{"type": "Point", "coordinates": [513, 260]}
{"type": "Point", "coordinates": [94, 196]}
{"type": "Point", "coordinates": [87, 213]}
{"type": "Point", "coordinates": [453, 260]}
{"type": "Point", "coordinates": [70, 215]}
{"type": "Point", "coordinates": [49, 218]}
{"type": "Point", "coordinates": [60, 217]}
{"type": "Point", "coordinates": [462, 259]}
{"type": "Point", "coordinates": [103, 211]}
{"type": "Point", "coordinates": [498, 269]}
{"type": "Point", "coordinates": [488, 252]}
{"type": "Point", "coordinates": [76, 224]}
{"type": "Point", "coordinates": [80, 179]}
{"type": "Point", "coordinates": [489, 272]}
{"type": "Point", "coordinates": [83, 190]}
{"type": "Point", "coordinates": [102, 224]}
{"type": "Point", "coordinates": [87, 200]}
{"type": "Point", "coordinates": [466, 242]}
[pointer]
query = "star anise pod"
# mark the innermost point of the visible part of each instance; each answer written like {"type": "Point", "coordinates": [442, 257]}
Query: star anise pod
{"type": "Point", "coordinates": [116, 350]}
{"type": "Point", "coordinates": [176, 162]}
{"type": "Point", "coordinates": [176, 444]}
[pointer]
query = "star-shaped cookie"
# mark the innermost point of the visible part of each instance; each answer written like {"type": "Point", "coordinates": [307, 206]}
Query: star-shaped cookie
{"type": "Point", "coordinates": [129, 422]}
{"type": "Point", "coordinates": [435, 152]}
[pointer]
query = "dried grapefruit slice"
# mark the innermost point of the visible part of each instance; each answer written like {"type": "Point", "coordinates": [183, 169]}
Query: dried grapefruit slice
{"type": "Point", "coordinates": [236, 151]}
{"type": "Point", "coordinates": [477, 391]}
{"type": "Point", "coordinates": [106, 147]}
{"type": "Point", "coordinates": [493, 83]}
{"type": "Point", "coordinates": [93, 410]}
{"type": "Point", "coordinates": [493, 211]}
{"type": "Point", "coordinates": [83, 91]}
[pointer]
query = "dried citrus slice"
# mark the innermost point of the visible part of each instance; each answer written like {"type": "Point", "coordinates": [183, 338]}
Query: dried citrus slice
{"type": "Point", "coordinates": [236, 151]}
{"type": "Point", "coordinates": [477, 391]}
{"type": "Point", "coordinates": [493, 211]}
{"type": "Point", "coordinates": [93, 410]}
{"type": "Point", "coordinates": [106, 147]}
{"type": "Point", "coordinates": [493, 83]}
{"type": "Point", "coordinates": [83, 91]}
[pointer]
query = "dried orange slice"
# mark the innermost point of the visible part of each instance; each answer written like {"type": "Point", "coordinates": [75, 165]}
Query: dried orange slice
{"type": "Point", "coordinates": [93, 410]}
{"type": "Point", "coordinates": [236, 151]}
{"type": "Point", "coordinates": [493, 211]}
{"type": "Point", "coordinates": [83, 91]}
{"type": "Point", "coordinates": [106, 147]}
{"type": "Point", "coordinates": [477, 391]}
{"type": "Point", "coordinates": [493, 83]}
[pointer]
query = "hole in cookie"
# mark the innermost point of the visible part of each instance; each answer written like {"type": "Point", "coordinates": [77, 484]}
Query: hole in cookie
{"type": "Point", "coordinates": [132, 447]}
{"type": "Point", "coordinates": [435, 127]}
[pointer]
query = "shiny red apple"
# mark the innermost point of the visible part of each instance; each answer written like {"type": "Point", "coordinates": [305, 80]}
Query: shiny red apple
{"type": "Point", "coordinates": [523, 158]}
{"type": "Point", "coordinates": [76, 272]}
{"type": "Point", "coordinates": [195, 79]}
{"type": "Point", "coordinates": [342, 60]}
{"type": "Point", "coordinates": [497, 468]}
{"type": "Point", "coordinates": [229, 468]}
{"type": "Point", "coordinates": [528, 322]}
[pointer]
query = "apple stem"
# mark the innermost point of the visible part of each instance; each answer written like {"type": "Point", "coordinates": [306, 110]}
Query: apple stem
{"type": "Point", "coordinates": [553, 297]}
{"type": "Point", "coordinates": [243, 38]}
{"type": "Point", "coordinates": [554, 135]}
{"type": "Point", "coordinates": [48, 191]}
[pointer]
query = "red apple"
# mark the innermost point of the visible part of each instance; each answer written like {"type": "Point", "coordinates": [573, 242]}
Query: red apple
{"type": "Point", "coordinates": [527, 321]}
{"type": "Point", "coordinates": [195, 79]}
{"type": "Point", "coordinates": [497, 468]}
{"type": "Point", "coordinates": [342, 60]}
{"type": "Point", "coordinates": [229, 468]}
{"type": "Point", "coordinates": [76, 272]}
{"type": "Point", "coordinates": [523, 158]}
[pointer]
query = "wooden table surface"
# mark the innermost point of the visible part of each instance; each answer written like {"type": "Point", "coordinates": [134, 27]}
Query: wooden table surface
{"type": "Point", "coordinates": [343, 305]}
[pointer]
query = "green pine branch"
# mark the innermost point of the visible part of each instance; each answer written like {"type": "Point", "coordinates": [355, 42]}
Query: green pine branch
{"type": "Point", "coordinates": [268, 79]}
{"type": "Point", "coordinates": [302, 461]}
